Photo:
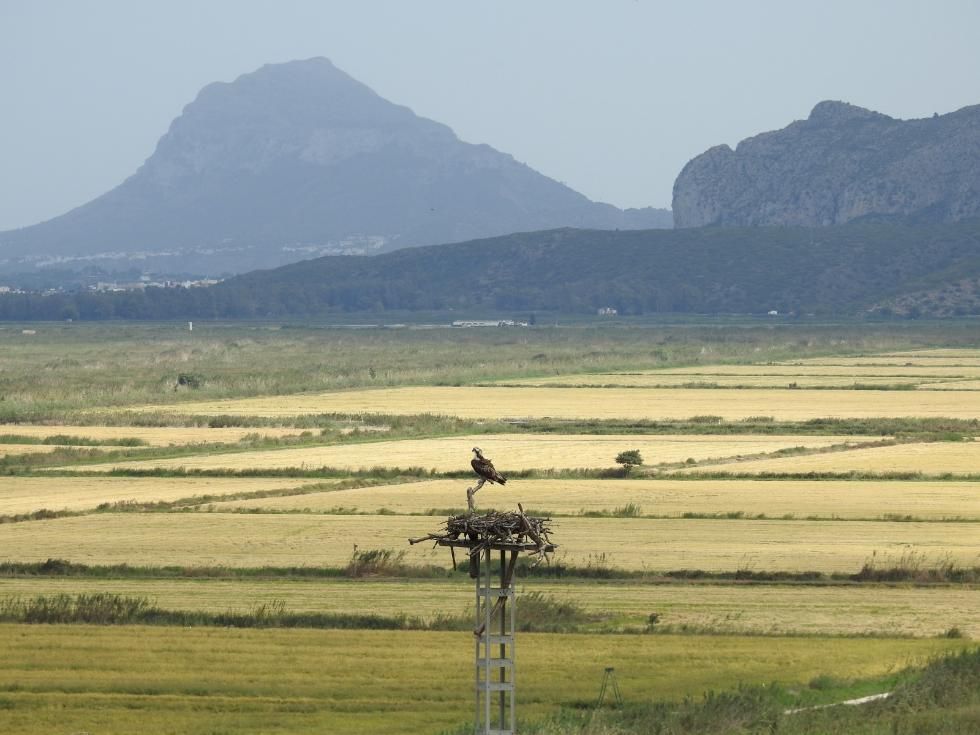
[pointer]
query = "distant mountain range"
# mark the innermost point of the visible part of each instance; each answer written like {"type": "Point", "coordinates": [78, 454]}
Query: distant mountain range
{"type": "Point", "coordinates": [846, 270]}
{"type": "Point", "coordinates": [842, 163]}
{"type": "Point", "coordinates": [298, 160]}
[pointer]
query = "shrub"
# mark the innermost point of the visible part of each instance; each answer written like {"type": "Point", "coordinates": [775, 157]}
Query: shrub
{"type": "Point", "coordinates": [629, 459]}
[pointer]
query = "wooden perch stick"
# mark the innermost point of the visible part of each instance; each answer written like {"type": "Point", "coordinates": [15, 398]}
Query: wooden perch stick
{"type": "Point", "coordinates": [427, 537]}
{"type": "Point", "coordinates": [527, 527]}
{"type": "Point", "coordinates": [471, 491]}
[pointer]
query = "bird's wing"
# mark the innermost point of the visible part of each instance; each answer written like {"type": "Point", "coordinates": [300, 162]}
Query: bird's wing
{"type": "Point", "coordinates": [479, 466]}
{"type": "Point", "coordinates": [484, 468]}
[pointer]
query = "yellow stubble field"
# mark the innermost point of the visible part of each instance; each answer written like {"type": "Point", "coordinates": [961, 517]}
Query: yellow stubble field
{"type": "Point", "coordinates": [955, 385]}
{"type": "Point", "coordinates": [27, 494]}
{"type": "Point", "coordinates": [860, 371]}
{"type": "Point", "coordinates": [912, 360]}
{"type": "Point", "coordinates": [931, 458]}
{"type": "Point", "coordinates": [251, 540]}
{"type": "Point", "coordinates": [940, 352]}
{"type": "Point", "coordinates": [511, 452]}
{"type": "Point", "coordinates": [691, 380]}
{"type": "Point", "coordinates": [801, 499]}
{"type": "Point", "coordinates": [155, 436]}
{"type": "Point", "coordinates": [7, 450]}
{"type": "Point", "coordinates": [601, 403]}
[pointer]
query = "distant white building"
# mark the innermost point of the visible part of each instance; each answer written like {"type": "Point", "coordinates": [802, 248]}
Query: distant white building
{"type": "Point", "coordinates": [487, 323]}
{"type": "Point", "coordinates": [773, 312]}
{"type": "Point", "coordinates": [607, 311]}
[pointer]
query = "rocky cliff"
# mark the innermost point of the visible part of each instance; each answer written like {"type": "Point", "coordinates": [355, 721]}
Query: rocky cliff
{"type": "Point", "coordinates": [298, 160]}
{"type": "Point", "coordinates": [841, 163]}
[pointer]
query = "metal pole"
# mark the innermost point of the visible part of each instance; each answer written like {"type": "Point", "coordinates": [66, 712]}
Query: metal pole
{"type": "Point", "coordinates": [503, 632]}
{"type": "Point", "coordinates": [513, 642]}
{"type": "Point", "coordinates": [476, 656]}
{"type": "Point", "coordinates": [487, 610]}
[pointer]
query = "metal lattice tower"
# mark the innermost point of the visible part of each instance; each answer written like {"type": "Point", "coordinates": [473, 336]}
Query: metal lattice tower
{"type": "Point", "coordinates": [496, 668]}
{"type": "Point", "coordinates": [495, 622]}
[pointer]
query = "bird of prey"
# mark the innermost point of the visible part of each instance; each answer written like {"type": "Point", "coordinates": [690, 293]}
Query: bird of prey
{"type": "Point", "coordinates": [485, 469]}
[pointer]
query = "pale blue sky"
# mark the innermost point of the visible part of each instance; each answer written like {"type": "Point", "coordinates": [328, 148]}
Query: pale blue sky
{"type": "Point", "coordinates": [612, 97]}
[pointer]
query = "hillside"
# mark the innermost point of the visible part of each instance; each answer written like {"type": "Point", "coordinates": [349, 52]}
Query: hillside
{"type": "Point", "coordinates": [840, 164]}
{"type": "Point", "coordinates": [845, 270]}
{"type": "Point", "coordinates": [297, 160]}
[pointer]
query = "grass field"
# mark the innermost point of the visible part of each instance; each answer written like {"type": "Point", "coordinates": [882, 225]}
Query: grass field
{"type": "Point", "coordinates": [154, 436]}
{"type": "Point", "coordinates": [624, 403]}
{"type": "Point", "coordinates": [513, 452]}
{"type": "Point", "coordinates": [27, 494]}
{"type": "Point", "coordinates": [801, 499]}
{"type": "Point", "coordinates": [237, 540]}
{"type": "Point", "coordinates": [70, 368]}
{"type": "Point", "coordinates": [932, 458]}
{"type": "Point", "coordinates": [719, 608]}
{"type": "Point", "coordinates": [193, 681]}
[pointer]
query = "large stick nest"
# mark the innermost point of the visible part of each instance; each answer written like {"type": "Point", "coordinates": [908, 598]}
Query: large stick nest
{"type": "Point", "coordinates": [481, 531]}
{"type": "Point", "coordinates": [499, 527]}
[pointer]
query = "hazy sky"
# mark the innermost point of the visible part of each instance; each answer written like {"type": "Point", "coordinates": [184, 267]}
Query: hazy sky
{"type": "Point", "coordinates": [611, 97]}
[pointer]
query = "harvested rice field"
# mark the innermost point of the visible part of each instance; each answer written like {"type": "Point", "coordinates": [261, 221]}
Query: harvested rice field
{"type": "Point", "coordinates": [250, 540]}
{"type": "Point", "coordinates": [153, 436]}
{"type": "Point", "coordinates": [941, 352]}
{"type": "Point", "coordinates": [796, 372]}
{"type": "Point", "coordinates": [721, 380]}
{"type": "Point", "coordinates": [11, 449]}
{"type": "Point", "coordinates": [955, 385]}
{"type": "Point", "coordinates": [932, 458]}
{"type": "Point", "coordinates": [603, 403]}
{"type": "Point", "coordinates": [718, 608]}
{"type": "Point", "coordinates": [911, 360]}
{"type": "Point", "coordinates": [513, 452]}
{"type": "Point", "coordinates": [28, 494]}
{"type": "Point", "coordinates": [662, 498]}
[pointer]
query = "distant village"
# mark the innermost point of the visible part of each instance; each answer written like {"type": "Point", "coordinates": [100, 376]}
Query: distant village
{"type": "Point", "coordinates": [145, 282]}
{"type": "Point", "coordinates": [141, 284]}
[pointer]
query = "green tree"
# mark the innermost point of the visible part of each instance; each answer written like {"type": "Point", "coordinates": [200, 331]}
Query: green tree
{"type": "Point", "coordinates": [629, 459]}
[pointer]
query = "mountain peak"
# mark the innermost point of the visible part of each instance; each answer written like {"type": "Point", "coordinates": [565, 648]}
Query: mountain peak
{"type": "Point", "coordinates": [835, 111]}
{"type": "Point", "coordinates": [844, 163]}
{"type": "Point", "coordinates": [299, 159]}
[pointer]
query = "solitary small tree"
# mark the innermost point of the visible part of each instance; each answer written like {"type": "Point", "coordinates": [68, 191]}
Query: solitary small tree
{"type": "Point", "coordinates": [629, 459]}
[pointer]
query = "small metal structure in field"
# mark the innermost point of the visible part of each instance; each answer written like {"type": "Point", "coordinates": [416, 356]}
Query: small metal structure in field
{"type": "Point", "coordinates": [609, 684]}
{"type": "Point", "coordinates": [495, 619]}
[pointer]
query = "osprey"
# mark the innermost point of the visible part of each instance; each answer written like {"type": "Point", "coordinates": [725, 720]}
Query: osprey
{"type": "Point", "coordinates": [485, 469]}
